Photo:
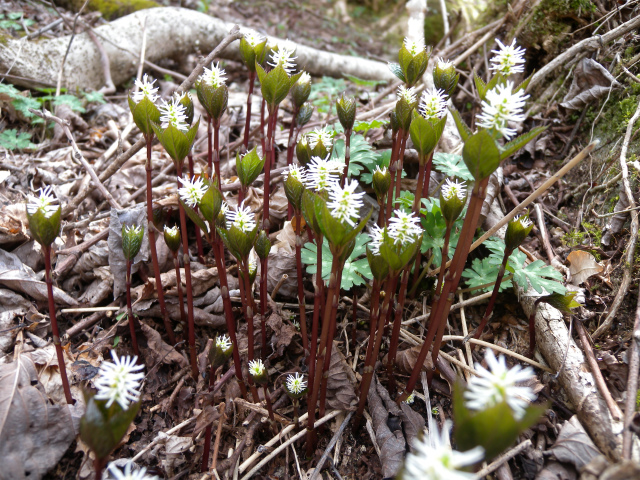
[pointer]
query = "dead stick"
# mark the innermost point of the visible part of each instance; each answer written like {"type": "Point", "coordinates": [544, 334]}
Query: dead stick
{"type": "Point", "coordinates": [332, 443]}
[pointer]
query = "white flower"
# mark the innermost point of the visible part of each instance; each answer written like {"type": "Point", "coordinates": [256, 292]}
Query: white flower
{"type": "Point", "coordinates": [297, 172]}
{"type": "Point", "coordinates": [433, 104]}
{"type": "Point", "coordinates": [382, 171]}
{"type": "Point", "coordinates": [215, 76]}
{"type": "Point", "coordinates": [408, 94]}
{"type": "Point", "coordinates": [44, 202]}
{"type": "Point", "coordinates": [173, 231]}
{"type": "Point", "coordinates": [433, 458]}
{"type": "Point", "coordinates": [411, 398]}
{"type": "Point", "coordinates": [345, 202]}
{"type": "Point", "coordinates": [443, 64]}
{"type": "Point", "coordinates": [498, 385]}
{"type": "Point", "coordinates": [173, 114]}
{"type": "Point", "coordinates": [322, 173]}
{"type": "Point", "coordinates": [524, 220]}
{"type": "Point", "coordinates": [319, 135]}
{"type": "Point", "coordinates": [283, 55]}
{"type": "Point", "coordinates": [224, 209]}
{"type": "Point", "coordinates": [413, 47]}
{"type": "Point", "coordinates": [509, 59]}
{"type": "Point", "coordinates": [223, 342]}
{"type": "Point", "coordinates": [117, 381]}
{"type": "Point", "coordinates": [145, 89]}
{"type": "Point", "coordinates": [253, 38]}
{"type": "Point", "coordinates": [242, 218]}
{"type": "Point", "coordinates": [404, 227]}
{"type": "Point", "coordinates": [256, 368]}
{"type": "Point", "coordinates": [449, 189]}
{"type": "Point", "coordinates": [127, 474]}
{"type": "Point", "coordinates": [500, 107]}
{"type": "Point", "coordinates": [253, 262]}
{"type": "Point", "coordinates": [296, 384]}
{"type": "Point", "coordinates": [304, 78]}
{"type": "Point", "coordinates": [377, 237]}
{"type": "Point", "coordinates": [133, 230]}
{"type": "Point", "coordinates": [192, 191]}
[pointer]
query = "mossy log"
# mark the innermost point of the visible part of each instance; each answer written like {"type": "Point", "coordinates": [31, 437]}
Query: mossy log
{"type": "Point", "coordinates": [110, 9]}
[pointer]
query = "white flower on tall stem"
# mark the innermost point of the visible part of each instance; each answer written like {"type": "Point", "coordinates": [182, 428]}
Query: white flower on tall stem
{"type": "Point", "coordinates": [192, 191]}
{"type": "Point", "coordinates": [242, 218]}
{"type": "Point", "coordinates": [145, 89]}
{"type": "Point", "coordinates": [408, 94]}
{"type": "Point", "coordinates": [223, 342]}
{"type": "Point", "coordinates": [214, 76]}
{"type": "Point", "coordinates": [404, 227]}
{"type": "Point", "coordinates": [345, 202]}
{"type": "Point", "coordinates": [253, 38]}
{"type": "Point", "coordinates": [128, 474]}
{"type": "Point", "coordinates": [43, 202]}
{"type": "Point", "coordinates": [319, 135]}
{"type": "Point", "coordinates": [173, 113]}
{"type": "Point", "coordinates": [413, 46]}
{"type": "Point", "coordinates": [499, 384]}
{"type": "Point", "coordinates": [297, 172]}
{"type": "Point", "coordinates": [377, 237]}
{"type": "Point", "coordinates": [451, 188]}
{"type": "Point", "coordinates": [433, 104]}
{"type": "Point", "coordinates": [296, 384]}
{"type": "Point", "coordinates": [118, 382]}
{"type": "Point", "coordinates": [444, 64]}
{"type": "Point", "coordinates": [321, 173]}
{"type": "Point", "coordinates": [256, 368]}
{"type": "Point", "coordinates": [433, 458]}
{"type": "Point", "coordinates": [283, 55]}
{"type": "Point", "coordinates": [524, 220]}
{"type": "Point", "coordinates": [509, 59]}
{"type": "Point", "coordinates": [501, 106]}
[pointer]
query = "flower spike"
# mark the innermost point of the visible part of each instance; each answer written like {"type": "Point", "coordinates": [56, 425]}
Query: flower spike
{"type": "Point", "coordinates": [509, 59]}
{"type": "Point", "coordinates": [500, 107]}
{"type": "Point", "coordinates": [345, 202]}
{"type": "Point", "coordinates": [145, 89]}
{"type": "Point", "coordinates": [173, 113]}
{"type": "Point", "coordinates": [118, 382]}
{"type": "Point", "coordinates": [242, 218]}
{"type": "Point", "coordinates": [215, 76]}
{"type": "Point", "coordinates": [192, 191]}
{"type": "Point", "coordinates": [433, 104]}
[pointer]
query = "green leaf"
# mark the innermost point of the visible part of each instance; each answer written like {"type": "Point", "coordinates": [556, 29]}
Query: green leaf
{"type": "Point", "coordinates": [73, 102]}
{"type": "Point", "coordinates": [537, 274]}
{"type": "Point", "coordinates": [517, 143]}
{"type": "Point", "coordinates": [193, 215]}
{"type": "Point", "coordinates": [484, 271]}
{"type": "Point", "coordinates": [396, 69]}
{"type": "Point", "coordinates": [145, 113]}
{"type": "Point", "coordinates": [481, 154]}
{"type": "Point", "coordinates": [361, 154]}
{"type": "Point", "coordinates": [480, 85]}
{"type": "Point", "coordinates": [434, 229]}
{"type": "Point", "coordinates": [451, 165]}
{"type": "Point", "coordinates": [364, 127]}
{"type": "Point", "coordinates": [425, 134]}
{"type": "Point", "coordinates": [463, 129]}
{"type": "Point", "coordinates": [12, 140]}
{"type": "Point", "coordinates": [94, 97]}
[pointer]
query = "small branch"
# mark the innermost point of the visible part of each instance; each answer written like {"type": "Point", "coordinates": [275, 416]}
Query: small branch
{"type": "Point", "coordinates": [332, 443]}
{"type": "Point", "coordinates": [502, 459]}
{"type": "Point", "coordinates": [632, 387]}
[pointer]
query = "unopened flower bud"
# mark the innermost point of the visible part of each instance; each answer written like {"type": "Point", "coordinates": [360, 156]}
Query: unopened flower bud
{"type": "Point", "coordinates": [445, 76]}
{"type": "Point", "coordinates": [187, 102]}
{"type": "Point", "coordinates": [381, 181]}
{"type": "Point", "coordinates": [304, 115]}
{"type": "Point", "coordinates": [517, 230]}
{"type": "Point", "coordinates": [301, 90]}
{"type": "Point", "coordinates": [303, 152]}
{"type": "Point", "coordinates": [346, 107]}
{"type": "Point", "coordinates": [220, 351]}
{"type": "Point", "coordinates": [263, 245]}
{"type": "Point", "coordinates": [453, 196]}
{"type": "Point", "coordinates": [131, 241]}
{"type": "Point", "coordinates": [172, 238]}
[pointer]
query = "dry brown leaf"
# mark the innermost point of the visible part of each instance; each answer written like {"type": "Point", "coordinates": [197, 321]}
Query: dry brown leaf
{"type": "Point", "coordinates": [11, 307]}
{"type": "Point", "coordinates": [590, 82]}
{"type": "Point", "coordinates": [574, 445]}
{"type": "Point", "coordinates": [283, 333]}
{"type": "Point", "coordinates": [207, 416]}
{"type": "Point", "coordinates": [340, 392]}
{"type": "Point", "coordinates": [406, 359]}
{"type": "Point", "coordinates": [158, 351]}
{"type": "Point", "coordinates": [583, 265]}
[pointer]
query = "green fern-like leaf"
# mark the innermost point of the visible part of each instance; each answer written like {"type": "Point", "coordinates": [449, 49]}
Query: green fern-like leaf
{"type": "Point", "coordinates": [483, 272]}
{"type": "Point", "coordinates": [12, 140]}
{"type": "Point", "coordinates": [452, 166]}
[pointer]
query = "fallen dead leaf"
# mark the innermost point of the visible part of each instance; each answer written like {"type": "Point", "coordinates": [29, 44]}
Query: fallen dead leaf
{"type": "Point", "coordinates": [583, 265]}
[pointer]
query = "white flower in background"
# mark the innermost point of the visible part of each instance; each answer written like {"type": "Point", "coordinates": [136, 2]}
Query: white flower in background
{"type": "Point", "coordinates": [118, 382]}
{"type": "Point", "coordinates": [283, 55]}
{"type": "Point", "coordinates": [433, 458]}
{"type": "Point", "coordinates": [449, 189]}
{"type": "Point", "coordinates": [253, 262]}
{"type": "Point", "coordinates": [253, 38]}
{"type": "Point", "coordinates": [500, 107]}
{"type": "Point", "coordinates": [377, 237]}
{"type": "Point", "coordinates": [214, 76]}
{"type": "Point", "coordinates": [345, 202]}
{"type": "Point", "coordinates": [297, 172]}
{"type": "Point", "coordinates": [444, 64]}
{"type": "Point", "coordinates": [413, 47]}
{"type": "Point", "coordinates": [319, 135]}
{"type": "Point", "coordinates": [223, 342]}
{"type": "Point", "coordinates": [411, 398]}
{"type": "Point", "coordinates": [433, 104]}
{"type": "Point", "coordinates": [145, 89]}
{"type": "Point", "coordinates": [44, 202]}
{"type": "Point", "coordinates": [498, 384]}
{"type": "Point", "coordinates": [192, 191]}
{"type": "Point", "coordinates": [304, 78]}
{"type": "Point", "coordinates": [524, 220]}
{"type": "Point", "coordinates": [172, 113]}
{"type": "Point", "coordinates": [408, 94]}
{"type": "Point", "coordinates": [509, 59]}
{"type": "Point", "coordinates": [256, 368]}
{"type": "Point", "coordinates": [242, 218]}
{"type": "Point", "coordinates": [404, 227]}
{"type": "Point", "coordinates": [321, 173]}
{"type": "Point", "coordinates": [127, 474]}
{"type": "Point", "coordinates": [296, 384]}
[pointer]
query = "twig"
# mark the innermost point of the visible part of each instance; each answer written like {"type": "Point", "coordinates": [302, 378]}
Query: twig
{"type": "Point", "coordinates": [109, 87]}
{"type": "Point", "coordinates": [632, 386]}
{"type": "Point", "coordinates": [160, 437]}
{"type": "Point", "coordinates": [633, 237]}
{"type": "Point", "coordinates": [465, 332]}
{"type": "Point", "coordinates": [89, 309]}
{"type": "Point", "coordinates": [216, 445]}
{"type": "Point", "coordinates": [73, 253]}
{"type": "Point", "coordinates": [66, 53]}
{"type": "Point", "coordinates": [262, 411]}
{"type": "Point", "coordinates": [502, 459]}
{"type": "Point", "coordinates": [332, 443]}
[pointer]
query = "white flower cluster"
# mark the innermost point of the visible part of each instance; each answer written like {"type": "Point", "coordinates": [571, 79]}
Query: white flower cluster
{"type": "Point", "coordinates": [509, 59]}
{"type": "Point", "coordinates": [118, 382]}
{"type": "Point", "coordinates": [524, 220]}
{"type": "Point", "coordinates": [407, 94]}
{"type": "Point", "coordinates": [501, 106]}
{"type": "Point", "coordinates": [433, 458]}
{"type": "Point", "coordinates": [192, 191]}
{"type": "Point", "coordinates": [256, 368]}
{"type": "Point", "coordinates": [304, 78]}
{"type": "Point", "coordinates": [128, 474]}
{"type": "Point", "coordinates": [297, 172]}
{"type": "Point", "coordinates": [321, 173]}
{"type": "Point", "coordinates": [296, 384]}
{"type": "Point", "coordinates": [223, 342]}
{"type": "Point", "coordinates": [377, 237]}
{"type": "Point", "coordinates": [319, 135]}
{"type": "Point", "coordinates": [241, 217]}
{"type": "Point", "coordinates": [451, 188]}
{"type": "Point", "coordinates": [145, 89]}
{"type": "Point", "coordinates": [173, 113]}
{"type": "Point", "coordinates": [283, 55]}
{"type": "Point", "coordinates": [215, 76]}
{"type": "Point", "coordinates": [499, 384]}
{"type": "Point", "coordinates": [404, 227]}
{"type": "Point", "coordinates": [44, 202]}
{"type": "Point", "coordinates": [172, 231]}
{"type": "Point", "coordinates": [444, 64]}
{"type": "Point", "coordinates": [345, 202]}
{"type": "Point", "coordinates": [133, 230]}
{"type": "Point", "coordinates": [413, 47]}
{"type": "Point", "coordinates": [253, 38]}
{"type": "Point", "coordinates": [382, 171]}
{"type": "Point", "coordinates": [433, 104]}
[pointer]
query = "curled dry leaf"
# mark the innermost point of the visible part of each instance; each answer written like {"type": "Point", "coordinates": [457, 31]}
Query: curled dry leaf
{"type": "Point", "coordinates": [159, 351]}
{"type": "Point", "coordinates": [34, 434]}
{"type": "Point", "coordinates": [406, 359]}
{"type": "Point", "coordinates": [283, 333]}
{"type": "Point", "coordinates": [12, 307]}
{"type": "Point", "coordinates": [583, 265]}
{"type": "Point", "coordinates": [574, 445]}
{"type": "Point", "coordinates": [340, 392]}
{"type": "Point", "coordinates": [590, 82]}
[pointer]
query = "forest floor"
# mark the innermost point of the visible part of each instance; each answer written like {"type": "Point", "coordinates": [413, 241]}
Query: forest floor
{"type": "Point", "coordinates": [578, 231]}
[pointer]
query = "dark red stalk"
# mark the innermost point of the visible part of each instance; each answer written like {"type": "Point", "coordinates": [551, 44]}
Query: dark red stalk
{"type": "Point", "coordinates": [427, 176]}
{"type": "Point", "coordinates": [54, 325]}
{"type": "Point", "coordinates": [98, 466]}
{"type": "Point", "coordinates": [395, 334]}
{"type": "Point", "coordinates": [400, 162]}
{"type": "Point", "coordinates": [332, 334]}
{"type": "Point", "coordinates": [270, 160]}
{"type": "Point", "coordinates": [347, 156]}
{"type": "Point", "coordinates": [263, 305]}
{"type": "Point", "coordinates": [290, 147]}
{"type": "Point", "coordinates": [198, 233]}
{"type": "Point", "coordinates": [132, 321]}
{"type": "Point", "coordinates": [216, 150]}
{"type": "Point", "coordinates": [187, 274]}
{"type": "Point", "coordinates": [267, 401]}
{"type": "Point", "coordinates": [301, 299]}
{"type": "Point", "coordinates": [247, 125]}
{"type": "Point", "coordinates": [317, 301]}
{"type": "Point", "coordinates": [209, 147]}
{"type": "Point", "coordinates": [152, 243]}
{"type": "Point", "coordinates": [250, 309]}
{"type": "Point", "coordinates": [207, 435]}
{"type": "Point", "coordinates": [262, 122]}
{"type": "Point", "coordinates": [176, 263]}
{"type": "Point", "coordinates": [397, 140]}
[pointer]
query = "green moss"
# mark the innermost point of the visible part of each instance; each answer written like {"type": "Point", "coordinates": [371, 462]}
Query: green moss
{"type": "Point", "coordinates": [573, 238]}
{"type": "Point", "coordinates": [616, 114]}
{"type": "Point", "coordinates": [594, 232]}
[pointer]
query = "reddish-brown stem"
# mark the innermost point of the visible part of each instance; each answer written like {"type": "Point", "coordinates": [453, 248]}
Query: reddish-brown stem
{"type": "Point", "coordinates": [444, 255]}
{"type": "Point", "coordinates": [317, 301]}
{"type": "Point", "coordinates": [301, 299]}
{"type": "Point", "coordinates": [427, 176]}
{"type": "Point", "coordinates": [198, 233]}
{"type": "Point", "coordinates": [332, 334]}
{"type": "Point", "coordinates": [54, 325]}
{"type": "Point", "coordinates": [373, 319]}
{"type": "Point", "coordinates": [209, 147]}
{"type": "Point", "coordinates": [263, 107]}
{"type": "Point", "coordinates": [354, 319]}
{"type": "Point", "coordinates": [241, 194]}
{"type": "Point", "coordinates": [347, 156]}
{"type": "Point", "coordinates": [267, 401]}
{"type": "Point", "coordinates": [132, 321]}
{"type": "Point", "coordinates": [98, 467]}
{"type": "Point", "coordinates": [400, 162]}
{"type": "Point", "coordinates": [176, 263]}
{"type": "Point", "coordinates": [152, 243]}
{"type": "Point", "coordinates": [263, 305]}
{"type": "Point", "coordinates": [494, 295]}
{"type": "Point", "coordinates": [290, 147]}
{"type": "Point", "coordinates": [216, 150]}
{"type": "Point", "coordinates": [296, 412]}
{"type": "Point", "coordinates": [250, 308]}
{"type": "Point", "coordinates": [395, 334]}
{"type": "Point", "coordinates": [270, 160]}
{"type": "Point", "coordinates": [207, 435]}
{"type": "Point", "coordinates": [381, 212]}
{"type": "Point", "coordinates": [397, 140]}
{"type": "Point", "coordinates": [247, 124]}
{"type": "Point", "coordinates": [187, 275]}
